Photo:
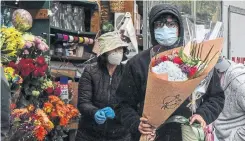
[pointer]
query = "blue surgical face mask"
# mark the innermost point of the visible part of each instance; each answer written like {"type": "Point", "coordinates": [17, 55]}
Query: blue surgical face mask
{"type": "Point", "coordinates": [166, 36]}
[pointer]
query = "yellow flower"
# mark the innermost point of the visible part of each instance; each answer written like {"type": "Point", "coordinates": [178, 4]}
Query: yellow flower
{"type": "Point", "coordinates": [9, 70]}
{"type": "Point", "coordinates": [11, 41]}
{"type": "Point", "coordinates": [37, 122]}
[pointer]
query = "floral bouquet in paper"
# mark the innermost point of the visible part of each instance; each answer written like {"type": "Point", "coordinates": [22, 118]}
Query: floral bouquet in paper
{"type": "Point", "coordinates": [173, 76]}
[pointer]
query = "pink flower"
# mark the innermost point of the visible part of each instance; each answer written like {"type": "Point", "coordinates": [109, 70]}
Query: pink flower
{"type": "Point", "coordinates": [57, 91]}
{"type": "Point", "coordinates": [28, 44]}
{"type": "Point", "coordinates": [42, 46]}
{"type": "Point", "coordinates": [37, 40]}
{"type": "Point", "coordinates": [26, 52]}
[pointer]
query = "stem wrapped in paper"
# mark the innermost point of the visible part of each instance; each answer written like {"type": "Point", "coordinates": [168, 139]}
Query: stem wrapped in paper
{"type": "Point", "coordinates": [163, 97]}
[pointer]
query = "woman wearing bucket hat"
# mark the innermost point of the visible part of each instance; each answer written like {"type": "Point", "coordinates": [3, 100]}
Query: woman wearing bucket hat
{"type": "Point", "coordinates": [96, 93]}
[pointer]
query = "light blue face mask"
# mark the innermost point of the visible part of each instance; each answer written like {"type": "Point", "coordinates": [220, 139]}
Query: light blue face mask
{"type": "Point", "coordinates": [166, 36]}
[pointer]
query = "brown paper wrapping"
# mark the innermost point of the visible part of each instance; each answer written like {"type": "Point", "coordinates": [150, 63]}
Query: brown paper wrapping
{"type": "Point", "coordinates": [164, 97]}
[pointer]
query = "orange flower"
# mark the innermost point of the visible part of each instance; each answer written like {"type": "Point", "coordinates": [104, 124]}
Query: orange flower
{"type": "Point", "coordinates": [40, 133]}
{"type": "Point", "coordinates": [72, 110]}
{"type": "Point", "coordinates": [18, 112]}
{"type": "Point", "coordinates": [60, 111]}
{"type": "Point", "coordinates": [63, 121]}
{"type": "Point", "coordinates": [31, 108]}
{"type": "Point", "coordinates": [53, 114]}
{"type": "Point", "coordinates": [53, 98]}
{"type": "Point", "coordinates": [60, 102]}
{"type": "Point", "coordinates": [47, 107]}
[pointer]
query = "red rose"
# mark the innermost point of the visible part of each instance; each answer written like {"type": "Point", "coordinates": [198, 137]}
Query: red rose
{"type": "Point", "coordinates": [26, 69]}
{"type": "Point", "coordinates": [57, 91]}
{"type": "Point", "coordinates": [38, 72]}
{"type": "Point", "coordinates": [192, 71]}
{"type": "Point", "coordinates": [178, 60]}
{"type": "Point", "coordinates": [45, 67]}
{"type": "Point", "coordinates": [40, 61]}
{"type": "Point", "coordinates": [164, 58]}
{"type": "Point", "coordinates": [49, 90]}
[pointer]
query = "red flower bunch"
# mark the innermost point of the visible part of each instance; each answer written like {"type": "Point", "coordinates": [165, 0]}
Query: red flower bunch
{"type": "Point", "coordinates": [54, 91]}
{"type": "Point", "coordinates": [27, 66]}
{"type": "Point", "coordinates": [41, 67]}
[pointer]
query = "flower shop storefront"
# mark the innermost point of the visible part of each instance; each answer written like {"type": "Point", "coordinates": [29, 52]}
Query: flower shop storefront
{"type": "Point", "coordinates": [45, 46]}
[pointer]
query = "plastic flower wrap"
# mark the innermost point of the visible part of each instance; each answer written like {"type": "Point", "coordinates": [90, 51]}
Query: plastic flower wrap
{"type": "Point", "coordinates": [11, 42]}
{"type": "Point", "coordinates": [174, 74]}
{"type": "Point", "coordinates": [22, 19]}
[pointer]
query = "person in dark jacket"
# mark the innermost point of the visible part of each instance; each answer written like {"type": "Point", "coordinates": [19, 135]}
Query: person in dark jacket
{"type": "Point", "coordinates": [96, 93]}
{"type": "Point", "coordinates": [5, 105]}
{"type": "Point", "coordinates": [167, 32]}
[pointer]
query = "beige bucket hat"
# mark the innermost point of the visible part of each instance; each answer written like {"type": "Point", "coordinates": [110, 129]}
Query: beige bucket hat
{"type": "Point", "coordinates": [110, 41]}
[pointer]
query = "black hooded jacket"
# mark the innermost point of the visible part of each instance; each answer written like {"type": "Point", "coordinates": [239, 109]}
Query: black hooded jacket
{"type": "Point", "coordinates": [96, 91]}
{"type": "Point", "coordinates": [131, 90]}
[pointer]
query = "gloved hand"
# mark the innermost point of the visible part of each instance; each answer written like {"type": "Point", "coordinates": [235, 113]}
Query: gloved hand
{"type": "Point", "coordinates": [100, 117]}
{"type": "Point", "coordinates": [109, 112]}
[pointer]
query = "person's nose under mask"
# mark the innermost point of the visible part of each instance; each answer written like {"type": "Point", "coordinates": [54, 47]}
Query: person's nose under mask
{"type": "Point", "coordinates": [115, 58]}
{"type": "Point", "coordinates": [166, 36]}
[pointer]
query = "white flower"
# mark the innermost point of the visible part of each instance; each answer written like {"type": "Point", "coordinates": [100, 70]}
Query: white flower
{"type": "Point", "coordinates": [173, 71]}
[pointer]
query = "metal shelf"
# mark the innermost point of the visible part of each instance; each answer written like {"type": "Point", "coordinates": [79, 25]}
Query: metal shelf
{"type": "Point", "coordinates": [61, 30]}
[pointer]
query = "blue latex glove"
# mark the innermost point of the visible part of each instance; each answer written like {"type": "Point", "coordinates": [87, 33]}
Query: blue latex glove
{"type": "Point", "coordinates": [109, 112]}
{"type": "Point", "coordinates": [100, 117]}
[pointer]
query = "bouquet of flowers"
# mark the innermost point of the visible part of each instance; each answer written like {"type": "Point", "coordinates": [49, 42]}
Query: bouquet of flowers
{"type": "Point", "coordinates": [60, 114]}
{"type": "Point", "coordinates": [10, 44]}
{"type": "Point", "coordinates": [173, 76]}
{"type": "Point", "coordinates": [37, 124]}
{"type": "Point", "coordinates": [29, 124]}
{"type": "Point", "coordinates": [183, 65]}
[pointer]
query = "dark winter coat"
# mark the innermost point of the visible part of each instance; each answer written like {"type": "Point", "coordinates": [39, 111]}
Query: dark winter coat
{"type": "Point", "coordinates": [131, 90]}
{"type": "Point", "coordinates": [96, 91]}
{"type": "Point", "coordinates": [5, 105]}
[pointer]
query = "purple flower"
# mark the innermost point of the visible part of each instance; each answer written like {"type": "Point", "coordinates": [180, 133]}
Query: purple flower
{"type": "Point", "coordinates": [185, 68]}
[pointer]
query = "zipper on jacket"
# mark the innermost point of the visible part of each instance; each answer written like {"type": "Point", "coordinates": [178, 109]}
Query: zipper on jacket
{"type": "Point", "coordinates": [110, 80]}
{"type": "Point", "coordinates": [109, 89]}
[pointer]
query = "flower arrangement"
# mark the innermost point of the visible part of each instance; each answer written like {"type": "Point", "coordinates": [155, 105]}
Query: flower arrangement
{"type": "Point", "coordinates": [34, 44]}
{"type": "Point", "coordinates": [10, 44]}
{"type": "Point", "coordinates": [181, 66]}
{"type": "Point", "coordinates": [58, 110]}
{"type": "Point", "coordinates": [31, 122]}
{"type": "Point", "coordinates": [38, 123]}
{"type": "Point", "coordinates": [37, 113]}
